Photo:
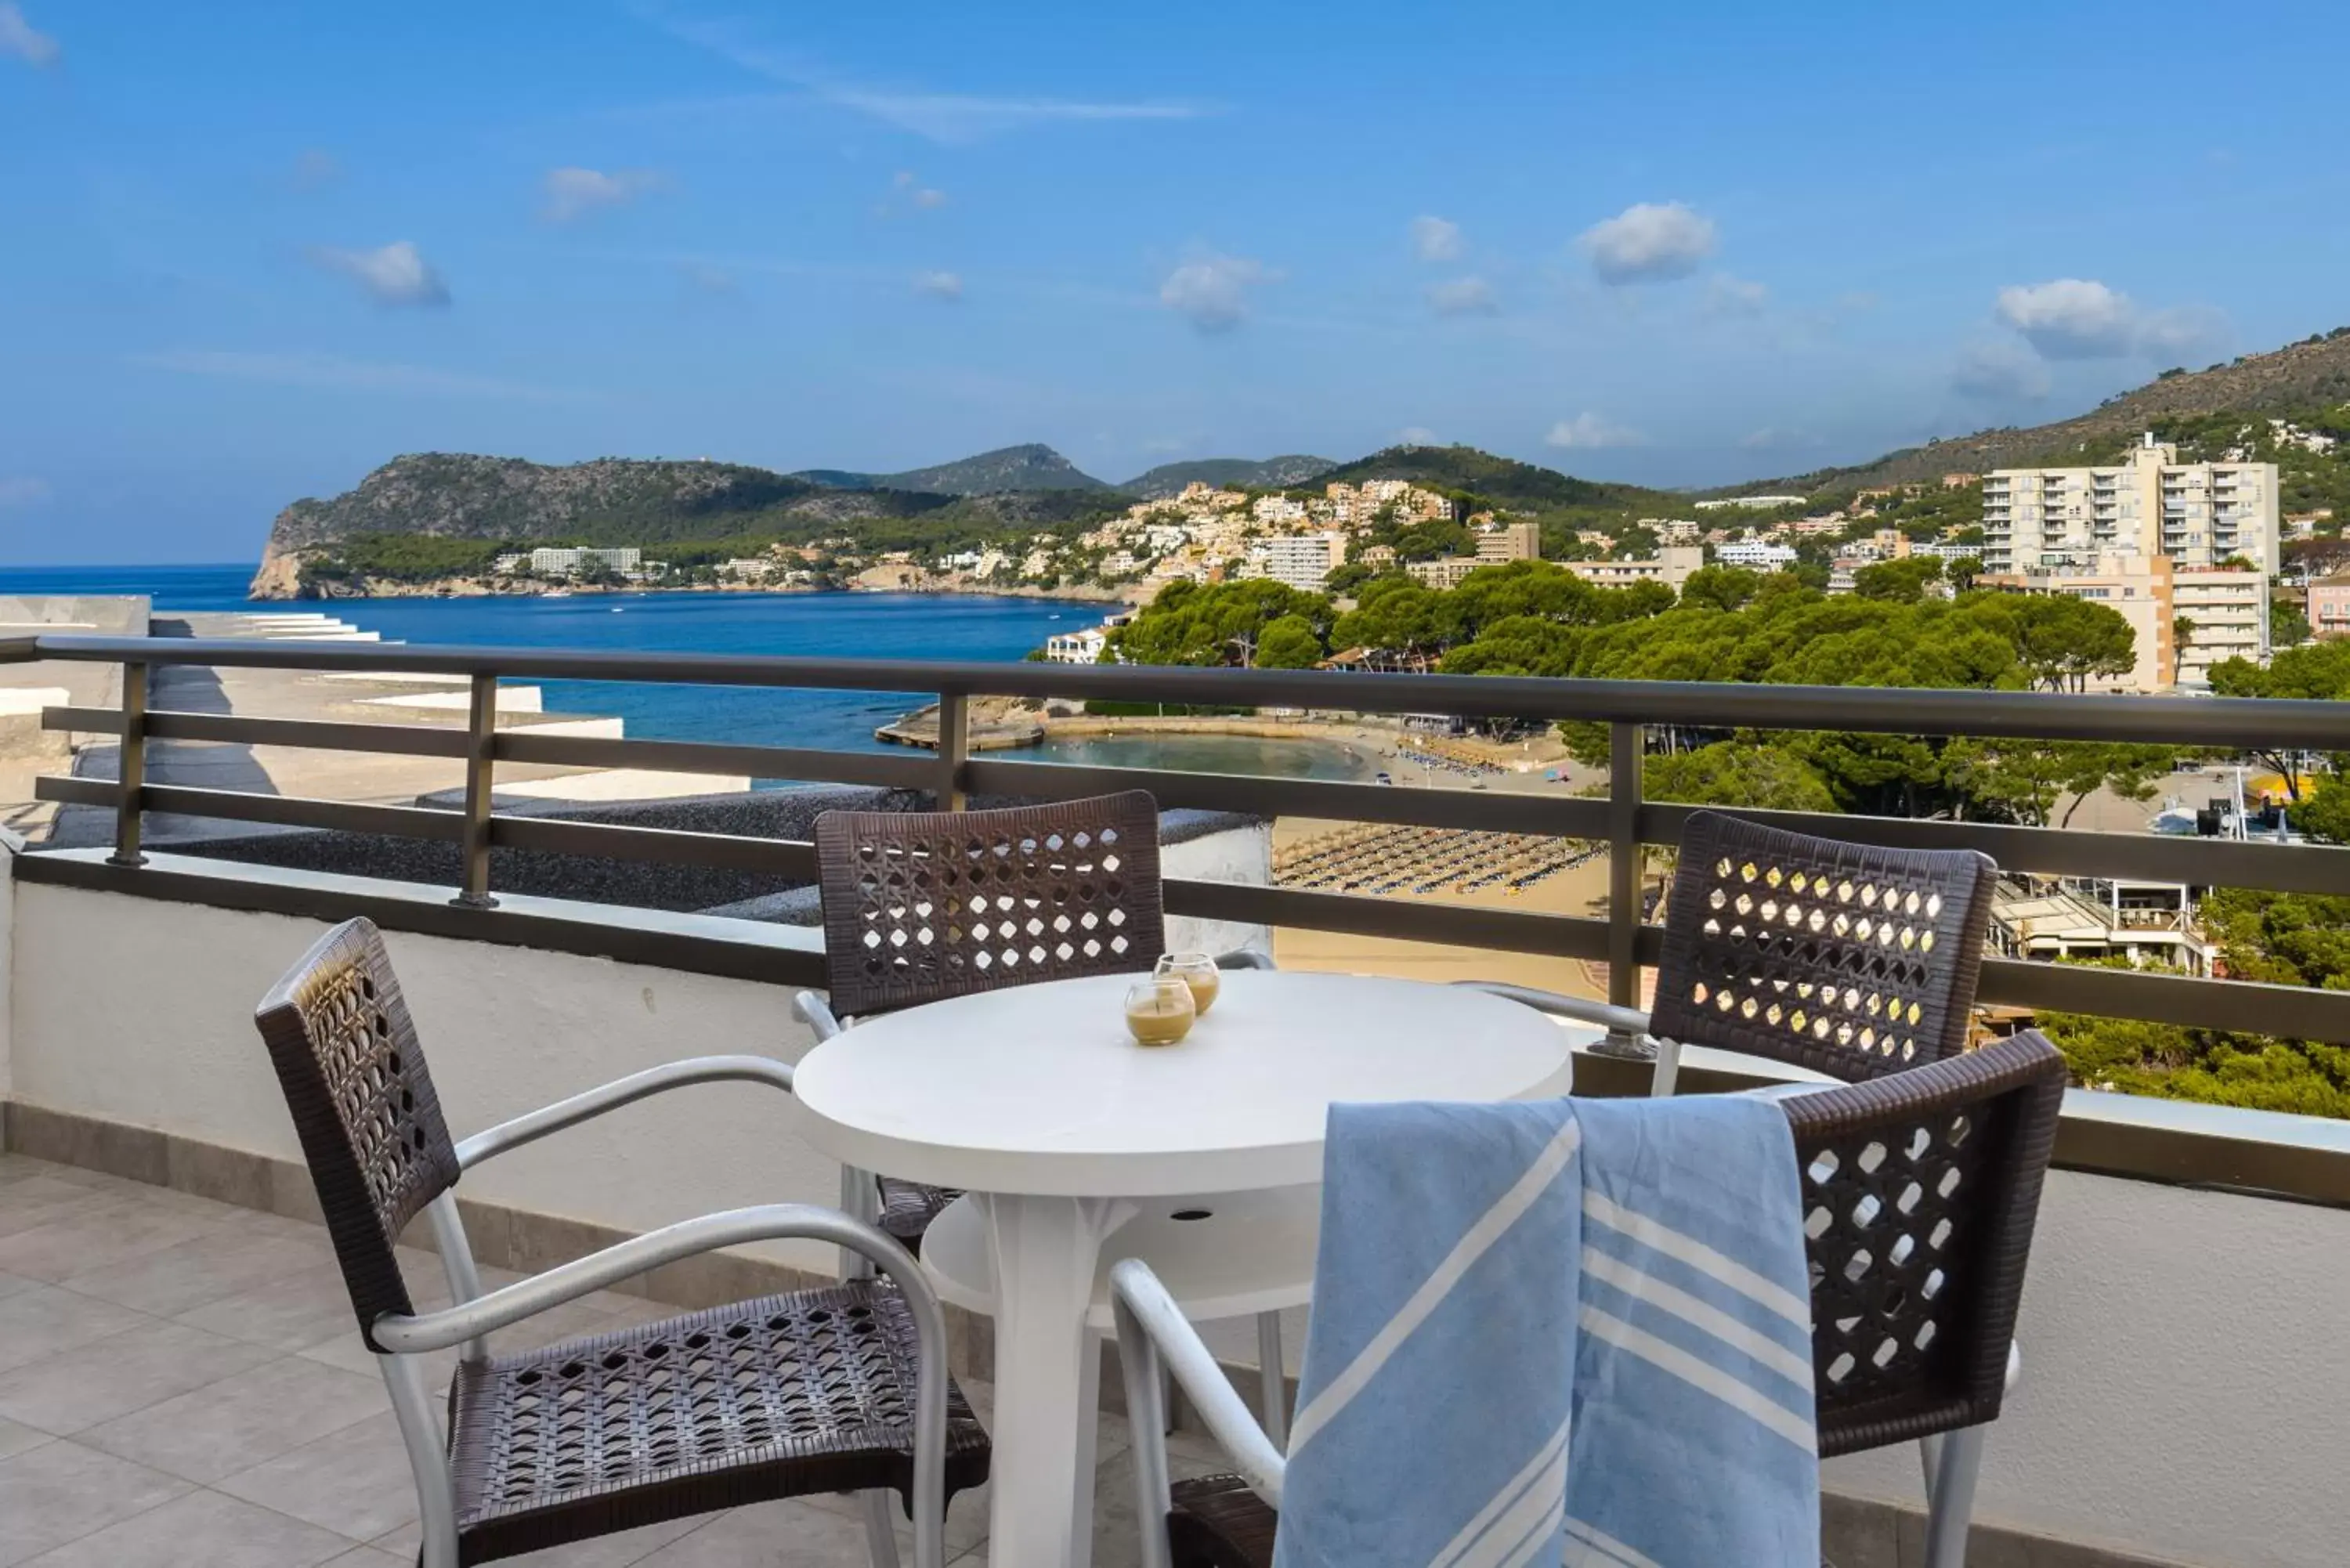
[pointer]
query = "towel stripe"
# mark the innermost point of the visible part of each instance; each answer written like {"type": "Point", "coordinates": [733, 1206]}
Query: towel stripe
{"type": "Point", "coordinates": [1490, 1227]}
{"type": "Point", "coordinates": [1706, 1259]}
{"type": "Point", "coordinates": [1550, 1460]}
{"type": "Point", "coordinates": [1545, 1532]}
{"type": "Point", "coordinates": [1630, 1280]}
{"type": "Point", "coordinates": [1599, 1540]}
{"type": "Point", "coordinates": [1678, 1363]}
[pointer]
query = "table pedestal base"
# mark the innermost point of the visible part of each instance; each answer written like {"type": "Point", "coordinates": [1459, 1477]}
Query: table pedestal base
{"type": "Point", "coordinates": [1047, 1374]}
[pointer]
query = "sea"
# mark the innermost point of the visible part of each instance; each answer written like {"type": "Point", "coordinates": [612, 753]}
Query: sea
{"type": "Point", "coordinates": [945, 627]}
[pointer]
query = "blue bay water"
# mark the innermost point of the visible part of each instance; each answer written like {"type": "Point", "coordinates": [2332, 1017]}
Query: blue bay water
{"type": "Point", "coordinates": [838, 625]}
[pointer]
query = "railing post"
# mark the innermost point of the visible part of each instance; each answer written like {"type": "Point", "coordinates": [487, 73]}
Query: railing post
{"type": "Point", "coordinates": [1627, 744]}
{"type": "Point", "coordinates": [481, 771]}
{"type": "Point", "coordinates": [131, 768]}
{"type": "Point", "coordinates": [955, 747]}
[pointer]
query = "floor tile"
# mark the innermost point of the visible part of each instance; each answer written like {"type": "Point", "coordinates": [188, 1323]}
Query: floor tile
{"type": "Point", "coordinates": [15, 1438]}
{"type": "Point", "coordinates": [119, 1374]}
{"type": "Point", "coordinates": [289, 1313]}
{"type": "Point", "coordinates": [202, 1530]}
{"type": "Point", "coordinates": [242, 1421]}
{"type": "Point", "coordinates": [44, 1200]}
{"type": "Point", "coordinates": [77, 1242]}
{"type": "Point", "coordinates": [370, 1557]}
{"type": "Point", "coordinates": [792, 1535]}
{"type": "Point", "coordinates": [61, 1491]}
{"type": "Point", "coordinates": [11, 1283]}
{"type": "Point", "coordinates": [44, 1320]}
{"type": "Point", "coordinates": [355, 1483]}
{"type": "Point", "coordinates": [205, 1269]}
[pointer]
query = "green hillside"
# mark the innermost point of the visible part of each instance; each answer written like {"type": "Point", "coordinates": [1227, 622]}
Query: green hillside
{"type": "Point", "coordinates": [1504, 481]}
{"type": "Point", "coordinates": [1232, 473]}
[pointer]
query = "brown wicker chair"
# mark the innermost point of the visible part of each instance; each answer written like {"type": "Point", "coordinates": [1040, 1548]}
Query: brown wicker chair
{"type": "Point", "coordinates": [1850, 959]}
{"type": "Point", "coordinates": [843, 1390]}
{"type": "Point", "coordinates": [1921, 1190]}
{"type": "Point", "coordinates": [919, 906]}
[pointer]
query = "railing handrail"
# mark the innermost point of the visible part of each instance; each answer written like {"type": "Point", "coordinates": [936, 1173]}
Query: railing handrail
{"type": "Point", "coordinates": [2236, 722]}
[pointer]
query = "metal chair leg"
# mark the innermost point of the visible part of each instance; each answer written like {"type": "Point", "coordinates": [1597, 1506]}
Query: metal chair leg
{"type": "Point", "coordinates": [880, 1539]}
{"type": "Point", "coordinates": [1952, 1507]}
{"type": "Point", "coordinates": [1273, 1392]}
{"type": "Point", "coordinates": [1930, 1460]}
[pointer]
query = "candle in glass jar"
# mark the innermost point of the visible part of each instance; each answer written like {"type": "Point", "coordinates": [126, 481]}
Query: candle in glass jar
{"type": "Point", "coordinates": [1159, 1009]}
{"type": "Point", "coordinates": [1197, 971]}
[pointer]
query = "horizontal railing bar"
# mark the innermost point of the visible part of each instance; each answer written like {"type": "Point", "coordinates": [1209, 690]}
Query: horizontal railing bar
{"type": "Point", "coordinates": [19, 650]}
{"type": "Point", "coordinates": [1559, 817]}
{"type": "Point", "coordinates": [668, 845]}
{"type": "Point", "coordinates": [2290, 1011]}
{"type": "Point", "coordinates": [2059, 852]}
{"type": "Point", "coordinates": [318, 734]}
{"type": "Point", "coordinates": [243, 806]}
{"type": "Point", "coordinates": [1463, 925]}
{"type": "Point", "coordinates": [2238, 722]}
{"type": "Point", "coordinates": [881, 770]}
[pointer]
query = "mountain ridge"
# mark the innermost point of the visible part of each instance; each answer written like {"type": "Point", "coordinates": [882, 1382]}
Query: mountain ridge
{"type": "Point", "coordinates": [1030, 466]}
{"type": "Point", "coordinates": [1283, 472]}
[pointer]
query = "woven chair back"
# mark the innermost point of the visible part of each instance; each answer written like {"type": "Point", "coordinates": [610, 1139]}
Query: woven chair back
{"type": "Point", "coordinates": [922, 906]}
{"type": "Point", "coordinates": [355, 1080]}
{"type": "Point", "coordinates": [1920, 1191]}
{"type": "Point", "coordinates": [1847, 958]}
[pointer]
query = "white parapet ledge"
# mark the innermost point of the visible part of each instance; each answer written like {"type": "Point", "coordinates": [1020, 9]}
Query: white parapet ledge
{"type": "Point", "coordinates": [425, 896]}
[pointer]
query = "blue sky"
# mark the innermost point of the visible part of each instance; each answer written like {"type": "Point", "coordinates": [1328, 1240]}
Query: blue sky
{"type": "Point", "coordinates": [248, 252]}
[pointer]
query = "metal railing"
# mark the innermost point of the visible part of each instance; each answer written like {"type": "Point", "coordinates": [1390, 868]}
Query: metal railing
{"type": "Point", "coordinates": [1621, 820]}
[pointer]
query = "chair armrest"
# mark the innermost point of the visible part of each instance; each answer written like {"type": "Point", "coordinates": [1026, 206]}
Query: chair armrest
{"type": "Point", "coordinates": [1624, 1020]}
{"type": "Point", "coordinates": [537, 1124]}
{"type": "Point", "coordinates": [503, 1308]}
{"type": "Point", "coordinates": [1244, 957]}
{"type": "Point", "coordinates": [1151, 1329]}
{"type": "Point", "coordinates": [527, 1298]}
{"type": "Point", "coordinates": [816, 1013]}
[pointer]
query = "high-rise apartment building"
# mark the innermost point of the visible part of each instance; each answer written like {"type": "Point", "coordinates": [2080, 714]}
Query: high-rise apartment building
{"type": "Point", "coordinates": [2197, 514]}
{"type": "Point", "coordinates": [1302, 561]}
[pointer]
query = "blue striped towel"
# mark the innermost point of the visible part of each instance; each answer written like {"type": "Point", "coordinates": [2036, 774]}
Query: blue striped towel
{"type": "Point", "coordinates": [1573, 1331]}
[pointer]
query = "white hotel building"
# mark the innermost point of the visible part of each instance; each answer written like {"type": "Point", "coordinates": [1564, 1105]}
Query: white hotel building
{"type": "Point", "coordinates": [2197, 514]}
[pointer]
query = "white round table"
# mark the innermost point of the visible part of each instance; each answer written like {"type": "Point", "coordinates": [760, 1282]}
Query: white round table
{"type": "Point", "coordinates": [1034, 1100]}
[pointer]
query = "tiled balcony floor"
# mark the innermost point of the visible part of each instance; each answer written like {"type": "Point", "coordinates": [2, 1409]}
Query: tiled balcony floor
{"type": "Point", "coordinates": [181, 1384]}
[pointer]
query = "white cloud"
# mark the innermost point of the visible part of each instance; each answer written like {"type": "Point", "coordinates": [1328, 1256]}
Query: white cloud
{"type": "Point", "coordinates": [2080, 318]}
{"type": "Point", "coordinates": [22, 490]}
{"type": "Point", "coordinates": [393, 274]}
{"type": "Point", "coordinates": [1416, 435]}
{"type": "Point", "coordinates": [943, 116]}
{"type": "Point", "coordinates": [1590, 432]}
{"type": "Point", "coordinates": [1213, 289]}
{"type": "Point", "coordinates": [1649, 243]}
{"type": "Point", "coordinates": [2184, 332]}
{"type": "Point", "coordinates": [328, 372]}
{"type": "Point", "coordinates": [569, 194]}
{"type": "Point", "coordinates": [910, 191]}
{"type": "Point", "coordinates": [1728, 295]}
{"type": "Point", "coordinates": [1463, 296]}
{"type": "Point", "coordinates": [939, 285]}
{"type": "Point", "coordinates": [1436, 240]}
{"type": "Point", "coordinates": [1999, 372]}
{"type": "Point", "coordinates": [316, 169]}
{"type": "Point", "coordinates": [2070, 318]}
{"type": "Point", "coordinates": [21, 39]}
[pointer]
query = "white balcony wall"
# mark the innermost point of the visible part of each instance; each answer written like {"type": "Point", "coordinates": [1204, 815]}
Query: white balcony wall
{"type": "Point", "coordinates": [145, 1010]}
